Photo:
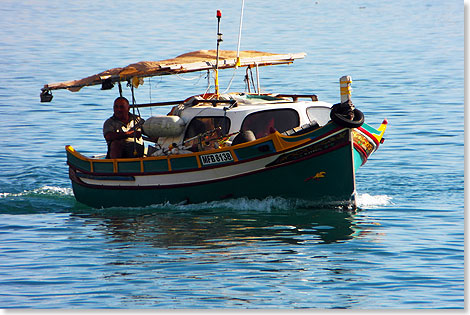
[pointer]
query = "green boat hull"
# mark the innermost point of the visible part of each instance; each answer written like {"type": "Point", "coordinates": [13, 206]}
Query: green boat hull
{"type": "Point", "coordinates": [326, 179]}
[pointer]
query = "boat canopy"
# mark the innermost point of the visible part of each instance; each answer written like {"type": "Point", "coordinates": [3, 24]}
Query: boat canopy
{"type": "Point", "coordinates": [193, 61]}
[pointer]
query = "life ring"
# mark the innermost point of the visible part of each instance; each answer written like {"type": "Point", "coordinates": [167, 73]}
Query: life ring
{"type": "Point", "coordinates": [339, 119]}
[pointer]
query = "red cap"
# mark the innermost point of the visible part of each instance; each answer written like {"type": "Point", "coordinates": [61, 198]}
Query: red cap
{"type": "Point", "coordinates": [219, 14]}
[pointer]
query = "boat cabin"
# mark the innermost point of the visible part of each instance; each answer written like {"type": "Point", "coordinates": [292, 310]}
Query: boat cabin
{"type": "Point", "coordinates": [209, 124]}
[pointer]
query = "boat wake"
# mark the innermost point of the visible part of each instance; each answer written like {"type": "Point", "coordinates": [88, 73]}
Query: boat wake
{"type": "Point", "coordinates": [244, 204]}
{"type": "Point", "coordinates": [368, 201]}
{"type": "Point", "coordinates": [46, 199]}
{"type": "Point", "coordinates": [278, 203]}
{"type": "Point", "coordinates": [43, 191]}
{"type": "Point", "coordinates": [240, 204]}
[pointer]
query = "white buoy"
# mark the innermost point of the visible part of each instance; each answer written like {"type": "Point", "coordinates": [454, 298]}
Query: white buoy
{"type": "Point", "coordinates": [163, 126]}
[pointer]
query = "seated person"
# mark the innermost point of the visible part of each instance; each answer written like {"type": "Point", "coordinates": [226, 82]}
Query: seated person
{"type": "Point", "coordinates": [120, 130]}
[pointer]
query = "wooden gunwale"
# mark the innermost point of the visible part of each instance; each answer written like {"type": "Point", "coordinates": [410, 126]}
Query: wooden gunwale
{"type": "Point", "coordinates": [280, 145]}
{"type": "Point", "coordinates": [159, 186]}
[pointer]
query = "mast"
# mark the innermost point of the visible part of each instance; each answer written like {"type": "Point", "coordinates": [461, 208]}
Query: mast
{"type": "Point", "coordinates": [219, 39]}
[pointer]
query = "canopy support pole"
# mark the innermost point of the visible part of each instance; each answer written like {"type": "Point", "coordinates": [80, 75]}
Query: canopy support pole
{"type": "Point", "coordinates": [133, 113]}
{"type": "Point", "coordinates": [120, 88]}
{"type": "Point", "coordinates": [247, 79]}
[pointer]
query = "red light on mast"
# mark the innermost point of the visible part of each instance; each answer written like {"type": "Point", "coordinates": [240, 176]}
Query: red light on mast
{"type": "Point", "coordinates": [219, 14]}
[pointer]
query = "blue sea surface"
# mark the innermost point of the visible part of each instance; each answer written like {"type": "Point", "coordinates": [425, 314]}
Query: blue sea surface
{"type": "Point", "coordinates": [402, 249]}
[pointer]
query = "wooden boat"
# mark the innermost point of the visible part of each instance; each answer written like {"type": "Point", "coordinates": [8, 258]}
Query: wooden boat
{"type": "Point", "coordinates": [215, 146]}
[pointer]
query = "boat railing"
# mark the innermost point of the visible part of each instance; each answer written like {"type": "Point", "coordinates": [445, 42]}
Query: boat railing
{"type": "Point", "coordinates": [213, 102]}
{"type": "Point", "coordinates": [194, 102]}
{"type": "Point", "coordinates": [157, 104]}
{"type": "Point", "coordinates": [183, 162]}
{"type": "Point", "coordinates": [295, 97]}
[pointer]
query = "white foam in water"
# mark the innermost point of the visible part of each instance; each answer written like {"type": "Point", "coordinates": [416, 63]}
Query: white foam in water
{"type": "Point", "coordinates": [242, 204]}
{"type": "Point", "coordinates": [46, 190]}
{"type": "Point", "coordinates": [50, 190]}
{"type": "Point", "coordinates": [368, 201]}
{"type": "Point", "coordinates": [268, 204]}
{"type": "Point", "coordinates": [4, 195]}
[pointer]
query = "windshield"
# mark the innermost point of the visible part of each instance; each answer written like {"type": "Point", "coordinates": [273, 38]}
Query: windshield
{"type": "Point", "coordinates": [267, 122]}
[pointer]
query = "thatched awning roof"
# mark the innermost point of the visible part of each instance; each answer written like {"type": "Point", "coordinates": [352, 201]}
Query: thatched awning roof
{"type": "Point", "coordinates": [194, 61]}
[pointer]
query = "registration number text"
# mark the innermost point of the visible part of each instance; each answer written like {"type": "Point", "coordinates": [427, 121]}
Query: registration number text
{"type": "Point", "coordinates": [215, 158]}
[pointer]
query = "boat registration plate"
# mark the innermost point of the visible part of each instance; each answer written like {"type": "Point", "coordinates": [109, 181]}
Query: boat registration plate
{"type": "Point", "coordinates": [215, 158]}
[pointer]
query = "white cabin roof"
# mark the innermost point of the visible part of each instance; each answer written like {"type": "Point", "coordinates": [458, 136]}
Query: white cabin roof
{"type": "Point", "coordinates": [246, 106]}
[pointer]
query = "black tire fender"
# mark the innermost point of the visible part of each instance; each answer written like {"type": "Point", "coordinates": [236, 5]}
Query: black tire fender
{"type": "Point", "coordinates": [345, 122]}
{"type": "Point", "coordinates": [244, 136]}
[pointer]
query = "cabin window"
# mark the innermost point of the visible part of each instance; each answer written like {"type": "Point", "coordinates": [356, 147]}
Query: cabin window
{"type": "Point", "coordinates": [209, 129]}
{"type": "Point", "coordinates": [266, 122]}
{"type": "Point", "coordinates": [320, 115]}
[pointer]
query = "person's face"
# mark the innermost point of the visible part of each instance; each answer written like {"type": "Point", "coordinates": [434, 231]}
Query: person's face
{"type": "Point", "coordinates": [121, 110]}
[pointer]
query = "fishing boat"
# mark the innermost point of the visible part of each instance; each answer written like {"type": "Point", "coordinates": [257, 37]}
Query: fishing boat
{"type": "Point", "coordinates": [214, 146]}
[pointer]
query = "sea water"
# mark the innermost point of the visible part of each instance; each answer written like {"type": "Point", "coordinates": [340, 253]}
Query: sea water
{"type": "Point", "coordinates": [402, 249]}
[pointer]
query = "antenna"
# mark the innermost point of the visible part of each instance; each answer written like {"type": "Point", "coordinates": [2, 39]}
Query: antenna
{"type": "Point", "coordinates": [240, 35]}
{"type": "Point", "coordinates": [219, 39]}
